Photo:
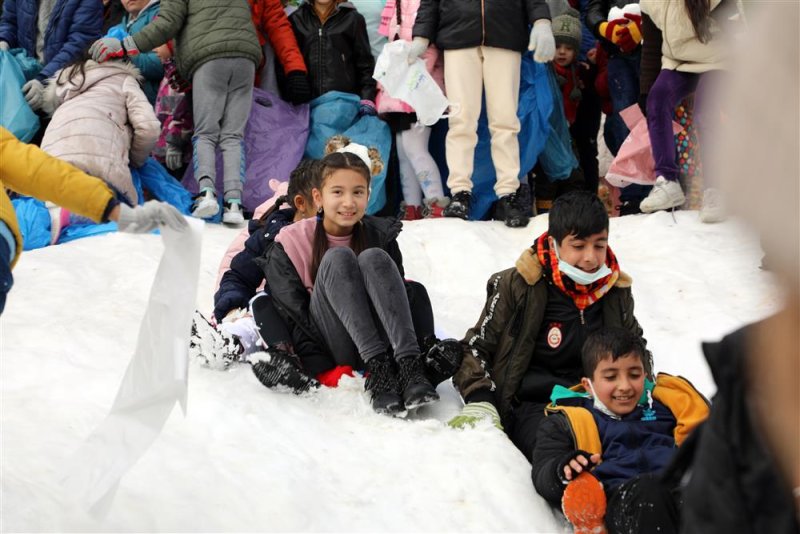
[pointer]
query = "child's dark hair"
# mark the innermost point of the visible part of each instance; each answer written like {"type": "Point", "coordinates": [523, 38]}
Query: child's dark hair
{"type": "Point", "coordinates": [74, 68]}
{"type": "Point", "coordinates": [699, 12]}
{"type": "Point", "coordinates": [610, 341]}
{"type": "Point", "coordinates": [331, 163]}
{"type": "Point", "coordinates": [578, 213]}
{"type": "Point", "coordinates": [305, 177]}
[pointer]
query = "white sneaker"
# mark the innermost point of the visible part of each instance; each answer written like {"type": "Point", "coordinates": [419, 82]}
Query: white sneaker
{"type": "Point", "coordinates": [666, 194]}
{"type": "Point", "coordinates": [713, 208]}
{"type": "Point", "coordinates": [205, 204]}
{"type": "Point", "coordinates": [233, 214]}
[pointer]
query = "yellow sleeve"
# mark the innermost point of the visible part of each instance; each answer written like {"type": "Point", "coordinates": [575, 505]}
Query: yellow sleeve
{"type": "Point", "coordinates": [28, 170]}
{"type": "Point", "coordinates": [688, 406]}
{"type": "Point", "coordinates": [8, 216]}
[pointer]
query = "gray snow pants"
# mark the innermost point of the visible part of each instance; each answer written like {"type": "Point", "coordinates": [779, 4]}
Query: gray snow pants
{"type": "Point", "coordinates": [360, 306]}
{"type": "Point", "coordinates": [222, 92]}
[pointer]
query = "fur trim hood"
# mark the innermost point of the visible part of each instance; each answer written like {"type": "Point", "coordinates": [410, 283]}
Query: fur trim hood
{"type": "Point", "coordinates": [59, 89]}
{"type": "Point", "coordinates": [531, 270]}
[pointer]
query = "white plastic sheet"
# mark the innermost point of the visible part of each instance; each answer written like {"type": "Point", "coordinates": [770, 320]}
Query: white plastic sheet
{"type": "Point", "coordinates": [156, 378]}
{"type": "Point", "coordinates": [412, 84]}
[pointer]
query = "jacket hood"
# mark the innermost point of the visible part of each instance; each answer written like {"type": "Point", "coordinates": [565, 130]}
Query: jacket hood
{"type": "Point", "coordinates": [529, 267]}
{"type": "Point", "coordinates": [60, 89]}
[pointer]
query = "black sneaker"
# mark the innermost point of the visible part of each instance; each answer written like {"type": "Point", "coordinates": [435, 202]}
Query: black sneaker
{"type": "Point", "coordinates": [275, 368]}
{"type": "Point", "coordinates": [630, 207]}
{"type": "Point", "coordinates": [417, 389]}
{"type": "Point", "coordinates": [383, 386]}
{"type": "Point", "coordinates": [459, 205]}
{"type": "Point", "coordinates": [516, 209]}
{"type": "Point", "coordinates": [442, 358]}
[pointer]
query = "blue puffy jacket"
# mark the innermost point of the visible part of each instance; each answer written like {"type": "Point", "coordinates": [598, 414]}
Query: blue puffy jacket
{"type": "Point", "coordinates": [240, 282]}
{"type": "Point", "coordinates": [73, 26]}
{"type": "Point", "coordinates": [148, 63]}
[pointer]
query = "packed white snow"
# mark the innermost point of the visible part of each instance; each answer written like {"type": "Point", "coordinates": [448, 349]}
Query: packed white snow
{"type": "Point", "coordinates": [249, 459]}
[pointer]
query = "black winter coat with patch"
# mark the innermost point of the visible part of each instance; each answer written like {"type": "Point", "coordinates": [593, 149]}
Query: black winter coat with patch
{"type": "Point", "coordinates": [455, 24]}
{"type": "Point", "coordinates": [337, 53]}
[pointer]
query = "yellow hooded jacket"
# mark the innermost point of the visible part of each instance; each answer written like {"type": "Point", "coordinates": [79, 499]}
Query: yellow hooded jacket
{"type": "Point", "coordinates": [30, 171]}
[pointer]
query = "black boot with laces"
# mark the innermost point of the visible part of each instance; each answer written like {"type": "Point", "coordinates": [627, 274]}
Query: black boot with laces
{"type": "Point", "coordinates": [417, 389]}
{"type": "Point", "coordinates": [383, 386]}
{"type": "Point", "coordinates": [517, 207]}
{"type": "Point", "coordinates": [276, 368]}
{"type": "Point", "coordinates": [459, 205]}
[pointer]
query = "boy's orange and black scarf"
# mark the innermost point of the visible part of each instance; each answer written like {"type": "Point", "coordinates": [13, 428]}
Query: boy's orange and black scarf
{"type": "Point", "coordinates": [583, 296]}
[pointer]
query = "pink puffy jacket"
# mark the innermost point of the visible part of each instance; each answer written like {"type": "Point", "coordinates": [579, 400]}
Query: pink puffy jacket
{"type": "Point", "coordinates": [403, 30]}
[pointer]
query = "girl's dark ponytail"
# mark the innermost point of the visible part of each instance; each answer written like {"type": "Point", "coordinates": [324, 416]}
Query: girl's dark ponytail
{"type": "Point", "coordinates": [700, 14]}
{"type": "Point", "coordinates": [280, 201]}
{"type": "Point", "coordinates": [319, 247]}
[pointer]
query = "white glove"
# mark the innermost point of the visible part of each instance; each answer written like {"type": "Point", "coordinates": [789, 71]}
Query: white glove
{"type": "Point", "coordinates": [542, 43]}
{"type": "Point", "coordinates": [173, 157]}
{"type": "Point", "coordinates": [147, 217]}
{"type": "Point", "coordinates": [4, 46]}
{"type": "Point", "coordinates": [34, 94]}
{"type": "Point", "coordinates": [418, 47]}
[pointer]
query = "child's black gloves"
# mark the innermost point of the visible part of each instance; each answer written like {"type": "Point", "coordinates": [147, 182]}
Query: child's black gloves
{"type": "Point", "coordinates": [565, 462]}
{"type": "Point", "coordinates": [298, 88]}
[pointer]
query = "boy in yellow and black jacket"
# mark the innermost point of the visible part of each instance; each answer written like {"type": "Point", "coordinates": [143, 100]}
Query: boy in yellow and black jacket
{"type": "Point", "coordinates": [605, 441]}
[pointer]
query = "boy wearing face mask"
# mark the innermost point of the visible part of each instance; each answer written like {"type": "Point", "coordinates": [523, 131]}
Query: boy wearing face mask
{"type": "Point", "coordinates": [602, 451]}
{"type": "Point", "coordinates": [536, 318]}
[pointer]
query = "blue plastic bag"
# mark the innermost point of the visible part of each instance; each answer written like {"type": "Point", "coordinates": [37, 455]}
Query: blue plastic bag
{"type": "Point", "coordinates": [335, 113]}
{"type": "Point", "coordinates": [29, 65]}
{"type": "Point", "coordinates": [15, 113]}
{"type": "Point", "coordinates": [557, 159]}
{"type": "Point", "coordinates": [155, 178]}
{"type": "Point", "coordinates": [34, 222]}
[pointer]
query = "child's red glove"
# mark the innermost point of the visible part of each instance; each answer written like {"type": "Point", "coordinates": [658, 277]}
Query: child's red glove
{"type": "Point", "coordinates": [331, 377]}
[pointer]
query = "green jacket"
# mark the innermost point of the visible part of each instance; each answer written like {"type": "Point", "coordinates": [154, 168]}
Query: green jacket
{"type": "Point", "coordinates": [203, 30]}
{"type": "Point", "coordinates": [499, 348]}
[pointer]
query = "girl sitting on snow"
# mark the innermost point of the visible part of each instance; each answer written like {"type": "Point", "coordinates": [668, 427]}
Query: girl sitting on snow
{"type": "Point", "coordinates": [102, 121]}
{"type": "Point", "coordinates": [337, 280]}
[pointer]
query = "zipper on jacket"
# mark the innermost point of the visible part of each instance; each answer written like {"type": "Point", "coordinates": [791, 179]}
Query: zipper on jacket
{"type": "Point", "coordinates": [583, 321]}
{"type": "Point", "coordinates": [320, 66]}
{"type": "Point", "coordinates": [483, 22]}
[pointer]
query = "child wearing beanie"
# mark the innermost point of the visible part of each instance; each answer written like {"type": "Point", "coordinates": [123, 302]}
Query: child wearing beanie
{"type": "Point", "coordinates": [567, 34]}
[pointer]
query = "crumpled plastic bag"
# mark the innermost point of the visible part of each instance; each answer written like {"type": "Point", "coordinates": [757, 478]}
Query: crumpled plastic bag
{"type": "Point", "coordinates": [412, 84]}
{"type": "Point", "coordinates": [634, 163]}
{"type": "Point", "coordinates": [155, 381]}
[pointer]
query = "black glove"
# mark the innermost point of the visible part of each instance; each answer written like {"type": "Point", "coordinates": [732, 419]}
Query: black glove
{"type": "Point", "coordinates": [567, 458]}
{"type": "Point", "coordinates": [298, 88]}
{"type": "Point", "coordinates": [442, 359]}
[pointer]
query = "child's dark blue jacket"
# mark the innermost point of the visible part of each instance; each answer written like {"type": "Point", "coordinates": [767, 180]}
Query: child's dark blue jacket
{"type": "Point", "coordinates": [240, 283]}
{"type": "Point", "coordinates": [641, 442]}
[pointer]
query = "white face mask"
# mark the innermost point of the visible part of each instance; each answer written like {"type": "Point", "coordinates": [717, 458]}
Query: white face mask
{"type": "Point", "coordinates": [599, 405]}
{"type": "Point", "coordinates": [579, 276]}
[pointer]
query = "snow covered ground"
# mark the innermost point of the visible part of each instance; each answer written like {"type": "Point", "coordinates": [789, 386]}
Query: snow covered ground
{"type": "Point", "coordinates": [249, 459]}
